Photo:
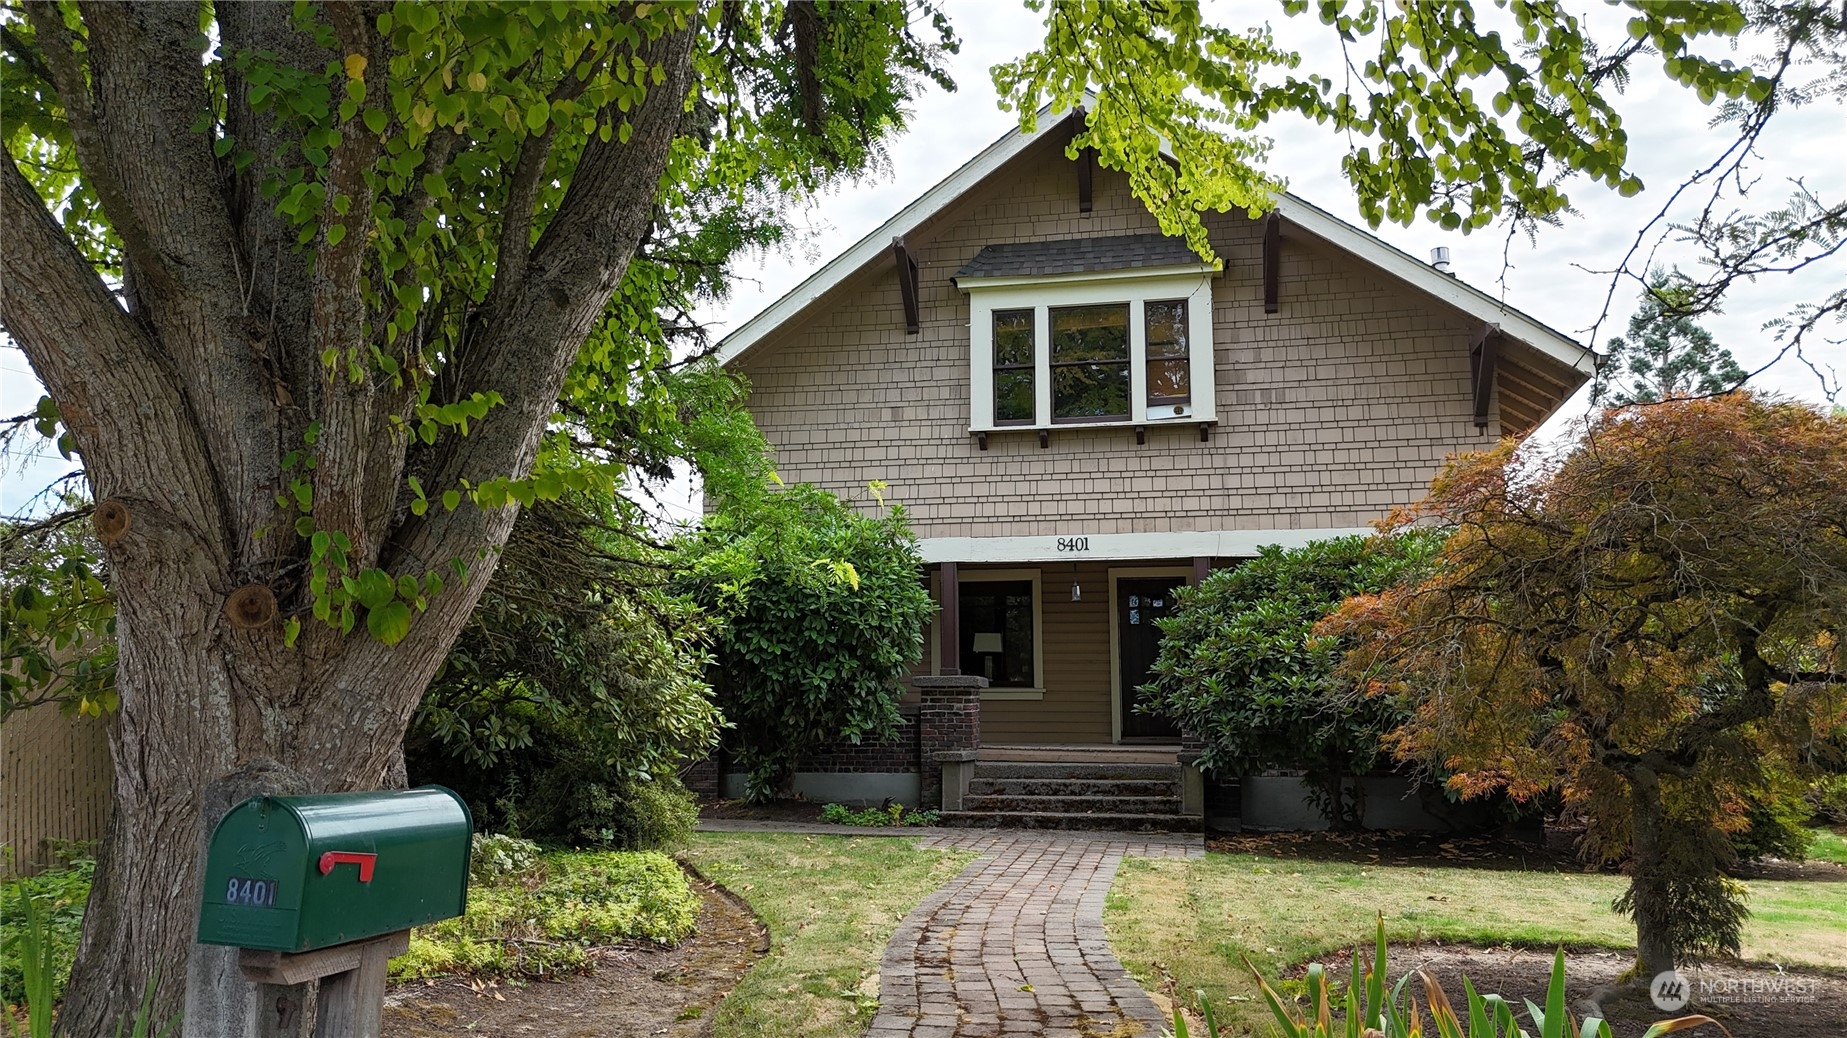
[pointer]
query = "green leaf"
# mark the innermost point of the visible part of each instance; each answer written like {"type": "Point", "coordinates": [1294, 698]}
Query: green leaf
{"type": "Point", "coordinates": [376, 120]}
{"type": "Point", "coordinates": [538, 115]}
{"type": "Point", "coordinates": [389, 623]}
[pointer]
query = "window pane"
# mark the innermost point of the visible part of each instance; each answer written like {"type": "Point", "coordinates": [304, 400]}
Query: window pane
{"type": "Point", "coordinates": [1090, 353]}
{"type": "Point", "coordinates": [1166, 328]}
{"type": "Point", "coordinates": [1013, 395]}
{"type": "Point", "coordinates": [1090, 333]}
{"type": "Point", "coordinates": [1090, 391]}
{"type": "Point", "coordinates": [1169, 382]}
{"type": "Point", "coordinates": [1013, 337]}
{"type": "Point", "coordinates": [997, 632]}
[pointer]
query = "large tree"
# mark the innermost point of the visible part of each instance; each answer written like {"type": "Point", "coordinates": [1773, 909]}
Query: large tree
{"type": "Point", "coordinates": [305, 283]}
{"type": "Point", "coordinates": [1653, 626]}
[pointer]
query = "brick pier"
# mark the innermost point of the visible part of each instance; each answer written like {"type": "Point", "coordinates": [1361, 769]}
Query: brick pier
{"type": "Point", "coordinates": [1014, 945]}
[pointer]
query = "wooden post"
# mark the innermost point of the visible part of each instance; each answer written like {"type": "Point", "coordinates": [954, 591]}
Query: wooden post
{"type": "Point", "coordinates": [351, 1001]}
{"type": "Point", "coordinates": [949, 620]}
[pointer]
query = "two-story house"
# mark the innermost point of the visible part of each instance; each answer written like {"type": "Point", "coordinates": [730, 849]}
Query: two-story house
{"type": "Point", "coordinates": [1080, 415]}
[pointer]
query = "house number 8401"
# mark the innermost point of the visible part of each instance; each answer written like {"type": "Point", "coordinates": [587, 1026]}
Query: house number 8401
{"type": "Point", "coordinates": [1073, 544]}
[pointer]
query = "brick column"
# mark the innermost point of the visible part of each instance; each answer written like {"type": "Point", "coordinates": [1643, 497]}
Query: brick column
{"type": "Point", "coordinates": [948, 722]}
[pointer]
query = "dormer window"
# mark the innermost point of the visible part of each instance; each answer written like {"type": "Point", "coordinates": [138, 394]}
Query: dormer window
{"type": "Point", "coordinates": [1098, 332]}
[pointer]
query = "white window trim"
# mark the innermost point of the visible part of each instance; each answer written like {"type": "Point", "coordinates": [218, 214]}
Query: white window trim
{"type": "Point", "coordinates": [1134, 287]}
{"type": "Point", "coordinates": [988, 576]}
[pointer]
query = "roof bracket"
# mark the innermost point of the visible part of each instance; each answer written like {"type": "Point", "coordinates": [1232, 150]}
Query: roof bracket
{"type": "Point", "coordinates": [1272, 262]}
{"type": "Point", "coordinates": [1141, 435]}
{"type": "Point", "coordinates": [1086, 160]}
{"type": "Point", "coordinates": [907, 283]}
{"type": "Point", "coordinates": [982, 438]}
{"type": "Point", "coordinates": [1045, 439]}
{"type": "Point", "coordinates": [1205, 432]}
{"type": "Point", "coordinates": [1484, 352]}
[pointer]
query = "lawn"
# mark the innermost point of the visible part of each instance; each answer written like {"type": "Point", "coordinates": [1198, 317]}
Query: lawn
{"type": "Point", "coordinates": [1191, 920]}
{"type": "Point", "coordinates": [831, 903]}
{"type": "Point", "coordinates": [1829, 845]}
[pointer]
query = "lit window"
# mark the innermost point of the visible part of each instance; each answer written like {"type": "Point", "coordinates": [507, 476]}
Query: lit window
{"type": "Point", "coordinates": [997, 632]}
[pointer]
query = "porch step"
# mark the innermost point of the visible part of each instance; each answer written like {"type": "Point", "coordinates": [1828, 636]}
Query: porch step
{"type": "Point", "coordinates": [1126, 806]}
{"type": "Point", "coordinates": [1164, 823]}
{"type": "Point", "coordinates": [1091, 770]}
{"type": "Point", "coordinates": [1072, 787]}
{"type": "Point", "coordinates": [1122, 795]}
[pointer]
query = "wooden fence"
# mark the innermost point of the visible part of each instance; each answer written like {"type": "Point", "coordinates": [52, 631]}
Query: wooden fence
{"type": "Point", "coordinates": [54, 783]}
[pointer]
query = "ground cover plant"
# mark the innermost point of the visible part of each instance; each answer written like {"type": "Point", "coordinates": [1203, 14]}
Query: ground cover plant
{"type": "Point", "coordinates": [58, 897]}
{"type": "Point", "coordinates": [1191, 923]}
{"type": "Point", "coordinates": [890, 814]}
{"type": "Point", "coordinates": [541, 915]}
{"type": "Point", "coordinates": [831, 904]}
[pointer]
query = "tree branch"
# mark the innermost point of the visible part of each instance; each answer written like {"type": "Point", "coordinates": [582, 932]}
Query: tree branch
{"type": "Point", "coordinates": [113, 390]}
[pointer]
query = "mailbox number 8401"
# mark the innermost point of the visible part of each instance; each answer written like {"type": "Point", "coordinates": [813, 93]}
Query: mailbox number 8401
{"type": "Point", "coordinates": [258, 893]}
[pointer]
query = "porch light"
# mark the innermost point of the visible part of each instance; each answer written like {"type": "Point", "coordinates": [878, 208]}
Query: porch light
{"type": "Point", "coordinates": [1077, 592]}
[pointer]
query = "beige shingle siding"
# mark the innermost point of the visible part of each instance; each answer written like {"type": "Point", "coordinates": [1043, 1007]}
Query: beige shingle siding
{"type": "Point", "coordinates": [1331, 412]}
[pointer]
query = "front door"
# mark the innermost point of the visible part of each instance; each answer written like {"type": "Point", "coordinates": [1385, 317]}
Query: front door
{"type": "Point", "coordinates": [1140, 601]}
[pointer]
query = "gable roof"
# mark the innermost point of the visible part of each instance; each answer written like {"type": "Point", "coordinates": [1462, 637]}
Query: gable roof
{"type": "Point", "coordinates": [1299, 214]}
{"type": "Point", "coordinates": [1078, 255]}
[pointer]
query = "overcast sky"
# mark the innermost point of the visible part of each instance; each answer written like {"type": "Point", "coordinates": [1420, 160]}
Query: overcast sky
{"type": "Point", "coordinates": [1668, 138]}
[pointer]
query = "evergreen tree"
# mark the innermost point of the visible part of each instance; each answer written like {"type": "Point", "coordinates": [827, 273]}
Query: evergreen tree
{"type": "Point", "coordinates": [1666, 354]}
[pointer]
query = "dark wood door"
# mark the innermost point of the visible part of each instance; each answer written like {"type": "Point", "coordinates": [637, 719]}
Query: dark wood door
{"type": "Point", "coordinates": [1140, 601]}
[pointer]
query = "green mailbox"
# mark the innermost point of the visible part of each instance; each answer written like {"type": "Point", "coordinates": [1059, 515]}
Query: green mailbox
{"type": "Point", "coordinates": [293, 874]}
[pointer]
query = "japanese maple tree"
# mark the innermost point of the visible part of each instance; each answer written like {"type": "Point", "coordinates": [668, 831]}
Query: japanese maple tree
{"type": "Point", "coordinates": [1654, 625]}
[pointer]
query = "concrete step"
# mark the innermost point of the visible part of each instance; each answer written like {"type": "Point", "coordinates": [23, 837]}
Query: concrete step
{"type": "Point", "coordinates": [1036, 820]}
{"type": "Point", "coordinates": [1094, 771]}
{"type": "Point", "coordinates": [1091, 805]}
{"type": "Point", "coordinates": [1066, 787]}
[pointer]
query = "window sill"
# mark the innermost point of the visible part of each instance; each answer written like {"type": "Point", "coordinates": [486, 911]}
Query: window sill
{"type": "Point", "coordinates": [991, 694]}
{"type": "Point", "coordinates": [1126, 423]}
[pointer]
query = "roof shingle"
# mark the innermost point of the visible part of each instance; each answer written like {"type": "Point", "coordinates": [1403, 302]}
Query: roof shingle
{"type": "Point", "coordinates": [1076, 255]}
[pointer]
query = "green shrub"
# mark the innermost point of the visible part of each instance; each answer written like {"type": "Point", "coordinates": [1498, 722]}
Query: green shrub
{"type": "Point", "coordinates": [1241, 667]}
{"type": "Point", "coordinates": [623, 814]}
{"type": "Point", "coordinates": [1778, 828]}
{"type": "Point", "coordinates": [58, 897]}
{"type": "Point", "coordinates": [890, 814]}
{"type": "Point", "coordinates": [545, 920]}
{"type": "Point", "coordinates": [822, 611]}
{"type": "Point", "coordinates": [497, 856]}
{"type": "Point", "coordinates": [574, 693]}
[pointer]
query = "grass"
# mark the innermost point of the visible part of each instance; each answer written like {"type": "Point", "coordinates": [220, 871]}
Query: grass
{"type": "Point", "coordinates": [544, 920]}
{"type": "Point", "coordinates": [1191, 920]}
{"type": "Point", "coordinates": [1828, 845]}
{"type": "Point", "coordinates": [831, 904]}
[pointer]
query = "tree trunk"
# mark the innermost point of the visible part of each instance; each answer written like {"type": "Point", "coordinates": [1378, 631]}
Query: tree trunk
{"type": "Point", "coordinates": [198, 700]}
{"type": "Point", "coordinates": [1649, 896]}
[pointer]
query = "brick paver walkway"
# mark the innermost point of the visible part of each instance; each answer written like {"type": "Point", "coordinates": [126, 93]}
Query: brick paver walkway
{"type": "Point", "coordinates": [1014, 945]}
